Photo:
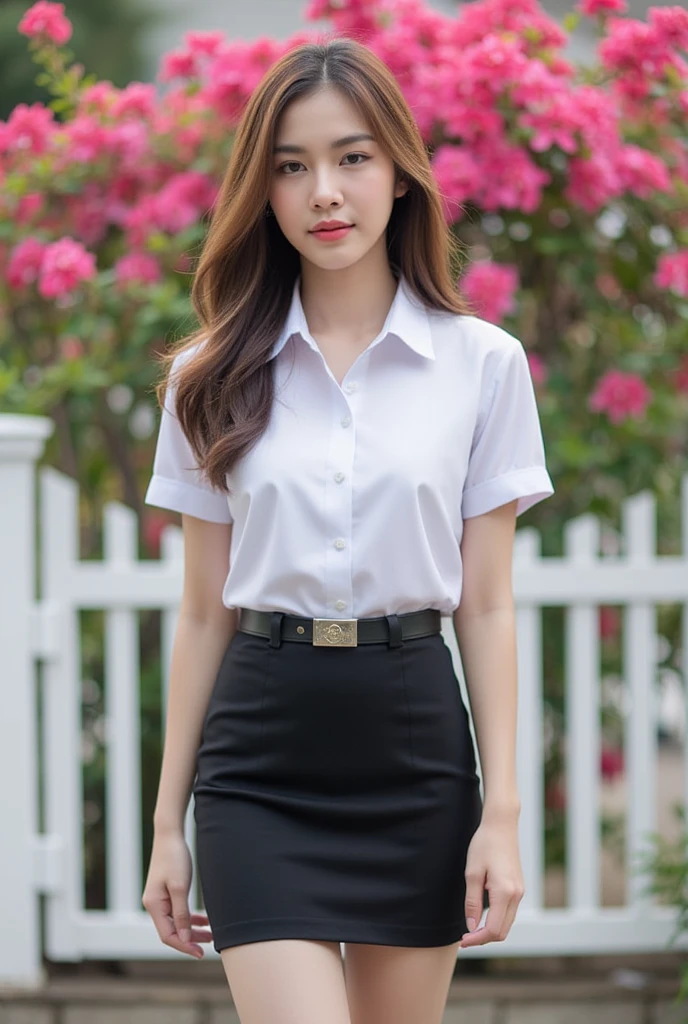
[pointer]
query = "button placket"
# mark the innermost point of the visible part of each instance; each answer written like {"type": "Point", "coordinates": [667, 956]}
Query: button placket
{"type": "Point", "coordinates": [338, 507]}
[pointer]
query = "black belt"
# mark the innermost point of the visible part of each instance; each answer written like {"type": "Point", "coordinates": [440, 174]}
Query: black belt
{"type": "Point", "coordinates": [278, 626]}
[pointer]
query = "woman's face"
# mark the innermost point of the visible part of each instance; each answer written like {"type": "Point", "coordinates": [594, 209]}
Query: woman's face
{"type": "Point", "coordinates": [351, 182]}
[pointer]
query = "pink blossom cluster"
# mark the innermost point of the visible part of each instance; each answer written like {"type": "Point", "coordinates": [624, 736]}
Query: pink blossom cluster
{"type": "Point", "coordinates": [490, 288]}
{"type": "Point", "coordinates": [672, 272]}
{"type": "Point", "coordinates": [57, 268]}
{"type": "Point", "coordinates": [47, 20]}
{"type": "Point", "coordinates": [620, 395]}
{"type": "Point", "coordinates": [139, 268]}
{"type": "Point", "coordinates": [642, 53]}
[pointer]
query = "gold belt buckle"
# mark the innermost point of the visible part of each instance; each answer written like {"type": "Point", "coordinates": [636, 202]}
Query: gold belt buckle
{"type": "Point", "coordinates": [335, 633]}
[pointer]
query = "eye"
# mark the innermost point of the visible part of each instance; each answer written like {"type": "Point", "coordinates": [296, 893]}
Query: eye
{"type": "Point", "coordinates": [297, 163]}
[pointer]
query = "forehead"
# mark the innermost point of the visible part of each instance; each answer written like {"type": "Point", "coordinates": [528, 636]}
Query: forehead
{"type": "Point", "coordinates": [320, 116]}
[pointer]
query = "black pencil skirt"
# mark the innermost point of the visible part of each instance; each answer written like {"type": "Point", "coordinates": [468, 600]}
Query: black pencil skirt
{"type": "Point", "coordinates": [336, 794]}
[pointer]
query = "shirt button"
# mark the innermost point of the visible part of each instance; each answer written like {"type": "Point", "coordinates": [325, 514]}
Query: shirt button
{"type": "Point", "coordinates": [340, 543]}
{"type": "Point", "coordinates": [339, 477]}
{"type": "Point", "coordinates": [351, 386]}
{"type": "Point", "coordinates": [340, 606]}
{"type": "Point", "coordinates": [346, 420]}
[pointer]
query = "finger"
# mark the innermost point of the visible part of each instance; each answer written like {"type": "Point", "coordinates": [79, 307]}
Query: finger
{"type": "Point", "coordinates": [491, 929]}
{"type": "Point", "coordinates": [473, 904]}
{"type": "Point", "coordinates": [172, 938]}
{"type": "Point", "coordinates": [199, 919]}
{"type": "Point", "coordinates": [180, 911]}
{"type": "Point", "coordinates": [160, 912]}
{"type": "Point", "coordinates": [511, 911]}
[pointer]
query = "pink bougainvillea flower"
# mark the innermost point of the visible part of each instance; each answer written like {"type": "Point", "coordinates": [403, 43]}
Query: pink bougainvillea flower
{"type": "Point", "coordinates": [184, 199]}
{"type": "Point", "coordinates": [642, 173]}
{"type": "Point", "coordinates": [203, 44]}
{"type": "Point", "coordinates": [490, 288]}
{"type": "Point", "coordinates": [66, 264]}
{"type": "Point", "coordinates": [137, 99]}
{"type": "Point", "coordinates": [28, 130]}
{"type": "Point", "coordinates": [28, 207]}
{"type": "Point", "coordinates": [25, 262]}
{"type": "Point", "coordinates": [139, 267]}
{"type": "Point", "coordinates": [620, 395]}
{"type": "Point", "coordinates": [671, 25]}
{"type": "Point", "coordinates": [593, 182]}
{"type": "Point", "coordinates": [672, 272]}
{"type": "Point", "coordinates": [88, 215]}
{"type": "Point", "coordinates": [457, 175]}
{"type": "Point", "coordinates": [592, 7]}
{"type": "Point", "coordinates": [178, 64]}
{"type": "Point", "coordinates": [47, 20]}
{"type": "Point", "coordinates": [538, 370]}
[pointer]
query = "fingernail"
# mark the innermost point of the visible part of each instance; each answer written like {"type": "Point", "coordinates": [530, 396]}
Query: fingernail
{"type": "Point", "coordinates": [471, 924]}
{"type": "Point", "coordinates": [185, 935]}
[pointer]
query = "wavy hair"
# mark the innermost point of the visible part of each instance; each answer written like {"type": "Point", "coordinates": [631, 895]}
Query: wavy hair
{"type": "Point", "coordinates": [244, 280]}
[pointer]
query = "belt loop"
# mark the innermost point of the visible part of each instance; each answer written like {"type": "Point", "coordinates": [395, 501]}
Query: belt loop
{"type": "Point", "coordinates": [276, 629]}
{"type": "Point", "coordinates": [394, 631]}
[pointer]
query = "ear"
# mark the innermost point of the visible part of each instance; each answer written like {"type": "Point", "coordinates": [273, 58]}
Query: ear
{"type": "Point", "coordinates": [401, 188]}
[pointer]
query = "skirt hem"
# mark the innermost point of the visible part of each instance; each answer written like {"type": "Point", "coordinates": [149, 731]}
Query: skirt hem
{"type": "Point", "coordinates": [270, 928]}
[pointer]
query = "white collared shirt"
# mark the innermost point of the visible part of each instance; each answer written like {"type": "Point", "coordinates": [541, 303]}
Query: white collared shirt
{"type": "Point", "coordinates": [352, 502]}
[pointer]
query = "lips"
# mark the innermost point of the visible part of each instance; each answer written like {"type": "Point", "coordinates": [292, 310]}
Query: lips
{"type": "Point", "coordinates": [332, 226]}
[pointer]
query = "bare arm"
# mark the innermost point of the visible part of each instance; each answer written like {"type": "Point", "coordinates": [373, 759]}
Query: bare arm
{"type": "Point", "coordinates": [204, 630]}
{"type": "Point", "coordinates": [484, 623]}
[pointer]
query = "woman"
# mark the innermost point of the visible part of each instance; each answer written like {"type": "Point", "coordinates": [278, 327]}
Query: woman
{"type": "Point", "coordinates": [349, 448]}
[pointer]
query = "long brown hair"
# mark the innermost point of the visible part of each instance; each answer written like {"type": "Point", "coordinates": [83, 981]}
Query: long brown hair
{"type": "Point", "coordinates": [245, 277]}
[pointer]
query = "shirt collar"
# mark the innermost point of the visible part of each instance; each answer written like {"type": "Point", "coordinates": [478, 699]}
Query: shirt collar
{"type": "Point", "coordinates": [407, 320]}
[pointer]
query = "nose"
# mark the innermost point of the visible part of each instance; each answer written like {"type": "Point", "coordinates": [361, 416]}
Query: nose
{"type": "Point", "coordinates": [326, 191]}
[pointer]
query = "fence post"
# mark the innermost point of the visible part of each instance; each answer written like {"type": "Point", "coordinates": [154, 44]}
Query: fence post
{"type": "Point", "coordinates": [22, 440]}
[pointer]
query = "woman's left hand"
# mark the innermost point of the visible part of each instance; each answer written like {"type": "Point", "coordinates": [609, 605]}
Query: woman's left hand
{"type": "Point", "coordinates": [493, 863]}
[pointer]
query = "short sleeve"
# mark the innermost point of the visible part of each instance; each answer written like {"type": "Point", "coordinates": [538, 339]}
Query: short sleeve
{"type": "Point", "coordinates": [507, 459]}
{"type": "Point", "coordinates": [176, 481]}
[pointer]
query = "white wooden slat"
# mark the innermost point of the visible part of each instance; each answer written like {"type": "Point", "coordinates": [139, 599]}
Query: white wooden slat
{"type": "Point", "coordinates": [61, 699]}
{"type": "Point", "coordinates": [123, 731]}
{"type": "Point", "coordinates": [582, 683]}
{"type": "Point", "coordinates": [530, 730]}
{"type": "Point", "coordinates": [639, 646]}
{"type": "Point", "coordinates": [22, 440]}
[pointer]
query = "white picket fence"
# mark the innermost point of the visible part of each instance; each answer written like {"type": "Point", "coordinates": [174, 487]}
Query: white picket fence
{"type": "Point", "coordinates": [43, 587]}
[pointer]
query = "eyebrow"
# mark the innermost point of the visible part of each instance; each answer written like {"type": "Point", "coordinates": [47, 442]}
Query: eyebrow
{"type": "Point", "coordinates": [337, 144]}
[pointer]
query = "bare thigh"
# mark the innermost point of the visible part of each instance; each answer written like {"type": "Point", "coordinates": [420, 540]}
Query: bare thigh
{"type": "Point", "coordinates": [398, 984]}
{"type": "Point", "coordinates": [287, 981]}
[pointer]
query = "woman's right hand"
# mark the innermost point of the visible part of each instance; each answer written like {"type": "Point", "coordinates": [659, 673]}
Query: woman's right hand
{"type": "Point", "coordinates": [166, 895]}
